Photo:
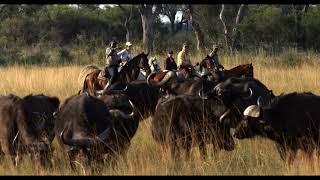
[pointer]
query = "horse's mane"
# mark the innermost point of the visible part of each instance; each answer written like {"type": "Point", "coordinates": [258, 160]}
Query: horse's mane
{"type": "Point", "coordinates": [85, 71]}
{"type": "Point", "coordinates": [131, 62]}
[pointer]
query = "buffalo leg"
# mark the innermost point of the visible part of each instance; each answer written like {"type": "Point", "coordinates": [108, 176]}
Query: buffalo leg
{"type": "Point", "coordinates": [73, 152]}
{"type": "Point", "coordinates": [187, 147]}
{"type": "Point", "coordinates": [282, 151]}
{"type": "Point", "coordinates": [287, 154]}
{"type": "Point", "coordinates": [202, 147]}
{"type": "Point", "coordinates": [8, 149]}
{"type": "Point", "coordinates": [174, 147]}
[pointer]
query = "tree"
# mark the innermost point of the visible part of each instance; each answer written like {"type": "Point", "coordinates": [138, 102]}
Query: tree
{"type": "Point", "coordinates": [148, 14]}
{"type": "Point", "coordinates": [231, 33]}
{"type": "Point", "coordinates": [170, 10]}
{"type": "Point", "coordinates": [300, 32]}
{"type": "Point", "coordinates": [8, 10]}
{"type": "Point", "coordinates": [91, 7]}
{"type": "Point", "coordinates": [194, 19]}
{"type": "Point", "coordinates": [128, 14]}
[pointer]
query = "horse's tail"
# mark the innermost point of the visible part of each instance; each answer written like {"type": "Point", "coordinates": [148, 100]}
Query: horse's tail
{"type": "Point", "coordinates": [85, 71]}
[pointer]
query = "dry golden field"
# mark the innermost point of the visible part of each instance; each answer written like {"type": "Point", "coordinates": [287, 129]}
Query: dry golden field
{"type": "Point", "coordinates": [251, 157]}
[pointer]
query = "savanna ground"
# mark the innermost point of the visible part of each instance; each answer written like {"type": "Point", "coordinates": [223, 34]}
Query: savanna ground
{"type": "Point", "coordinates": [145, 157]}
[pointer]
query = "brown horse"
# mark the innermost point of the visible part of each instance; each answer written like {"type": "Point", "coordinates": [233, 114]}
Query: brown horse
{"type": "Point", "coordinates": [240, 70]}
{"type": "Point", "coordinates": [129, 72]}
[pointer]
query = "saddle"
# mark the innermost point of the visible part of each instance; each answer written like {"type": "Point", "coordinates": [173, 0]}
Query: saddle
{"type": "Point", "coordinates": [102, 76]}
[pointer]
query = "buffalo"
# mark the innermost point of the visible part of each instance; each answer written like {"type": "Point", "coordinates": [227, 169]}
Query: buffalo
{"type": "Point", "coordinates": [85, 123]}
{"type": "Point", "coordinates": [174, 85]}
{"type": "Point", "coordinates": [239, 93]}
{"type": "Point", "coordinates": [27, 126]}
{"type": "Point", "coordinates": [291, 120]}
{"type": "Point", "coordinates": [181, 120]}
{"type": "Point", "coordinates": [144, 97]}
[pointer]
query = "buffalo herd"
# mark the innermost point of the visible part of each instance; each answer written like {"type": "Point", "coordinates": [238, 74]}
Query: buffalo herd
{"type": "Point", "coordinates": [184, 113]}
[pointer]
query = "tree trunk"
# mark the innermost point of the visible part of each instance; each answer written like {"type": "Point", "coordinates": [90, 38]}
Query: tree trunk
{"type": "Point", "coordinates": [225, 29]}
{"type": "Point", "coordinates": [232, 38]}
{"type": "Point", "coordinates": [127, 22]}
{"type": "Point", "coordinates": [147, 28]}
{"type": "Point", "coordinates": [172, 24]}
{"type": "Point", "coordinates": [199, 35]}
{"type": "Point", "coordinates": [235, 32]}
{"type": "Point", "coordinates": [128, 34]}
{"type": "Point", "coordinates": [196, 28]}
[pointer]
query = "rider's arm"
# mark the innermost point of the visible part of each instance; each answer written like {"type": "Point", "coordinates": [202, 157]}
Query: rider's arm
{"type": "Point", "coordinates": [120, 53]}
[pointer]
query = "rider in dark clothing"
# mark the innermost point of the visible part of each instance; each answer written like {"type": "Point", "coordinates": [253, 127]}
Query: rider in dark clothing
{"type": "Point", "coordinates": [170, 64]}
{"type": "Point", "coordinates": [219, 68]}
{"type": "Point", "coordinates": [112, 63]}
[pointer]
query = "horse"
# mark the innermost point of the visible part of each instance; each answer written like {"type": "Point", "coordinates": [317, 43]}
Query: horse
{"type": "Point", "coordinates": [200, 70]}
{"type": "Point", "coordinates": [242, 70]}
{"type": "Point", "coordinates": [92, 83]}
{"type": "Point", "coordinates": [238, 71]}
{"type": "Point", "coordinates": [154, 67]}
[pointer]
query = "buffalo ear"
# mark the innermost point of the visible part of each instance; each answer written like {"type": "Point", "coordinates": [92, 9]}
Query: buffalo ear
{"type": "Point", "coordinates": [55, 102]}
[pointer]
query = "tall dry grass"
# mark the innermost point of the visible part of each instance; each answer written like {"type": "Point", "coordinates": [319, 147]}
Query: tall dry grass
{"type": "Point", "coordinates": [145, 157]}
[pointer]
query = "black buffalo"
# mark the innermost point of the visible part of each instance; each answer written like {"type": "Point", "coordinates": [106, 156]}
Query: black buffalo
{"type": "Point", "coordinates": [85, 123]}
{"type": "Point", "coordinates": [144, 97]}
{"type": "Point", "coordinates": [27, 126]}
{"type": "Point", "coordinates": [174, 85]}
{"type": "Point", "coordinates": [292, 121]}
{"type": "Point", "coordinates": [238, 93]}
{"type": "Point", "coordinates": [181, 120]}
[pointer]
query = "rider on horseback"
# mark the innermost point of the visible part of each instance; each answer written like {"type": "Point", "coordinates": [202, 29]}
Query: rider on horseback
{"type": "Point", "coordinates": [218, 67]}
{"type": "Point", "coordinates": [112, 63]}
{"type": "Point", "coordinates": [183, 60]}
{"type": "Point", "coordinates": [126, 54]}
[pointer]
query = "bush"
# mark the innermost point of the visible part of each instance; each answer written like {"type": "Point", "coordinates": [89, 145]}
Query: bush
{"type": "Point", "coordinates": [64, 56]}
{"type": "Point", "coordinates": [35, 59]}
{"type": "Point", "coordinates": [289, 57]}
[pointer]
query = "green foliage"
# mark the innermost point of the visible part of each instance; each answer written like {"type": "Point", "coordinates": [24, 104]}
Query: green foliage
{"type": "Point", "coordinates": [61, 34]}
{"type": "Point", "coordinates": [64, 56]}
{"type": "Point", "coordinates": [290, 57]}
{"type": "Point", "coordinates": [266, 27]}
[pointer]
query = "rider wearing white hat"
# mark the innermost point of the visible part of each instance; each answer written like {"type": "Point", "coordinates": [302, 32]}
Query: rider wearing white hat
{"type": "Point", "coordinates": [126, 54]}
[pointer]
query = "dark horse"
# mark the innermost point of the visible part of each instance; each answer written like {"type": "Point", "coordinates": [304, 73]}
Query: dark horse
{"type": "Point", "coordinates": [129, 72]}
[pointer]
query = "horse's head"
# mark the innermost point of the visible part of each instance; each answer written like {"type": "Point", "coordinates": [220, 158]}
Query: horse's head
{"type": "Point", "coordinates": [248, 69]}
{"type": "Point", "coordinates": [244, 69]}
{"type": "Point", "coordinates": [154, 64]}
{"type": "Point", "coordinates": [142, 60]}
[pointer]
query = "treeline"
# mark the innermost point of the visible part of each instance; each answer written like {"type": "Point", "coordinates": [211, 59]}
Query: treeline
{"type": "Point", "coordinates": [78, 34]}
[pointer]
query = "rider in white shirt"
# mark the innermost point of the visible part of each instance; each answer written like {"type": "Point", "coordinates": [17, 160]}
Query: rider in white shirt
{"type": "Point", "coordinates": [126, 54]}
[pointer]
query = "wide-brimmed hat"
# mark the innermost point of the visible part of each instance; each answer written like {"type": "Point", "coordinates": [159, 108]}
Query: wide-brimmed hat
{"type": "Point", "coordinates": [128, 44]}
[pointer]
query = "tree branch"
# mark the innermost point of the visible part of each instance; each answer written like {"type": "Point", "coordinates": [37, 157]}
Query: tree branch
{"type": "Point", "coordinates": [221, 19]}
{"type": "Point", "coordinates": [238, 18]}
